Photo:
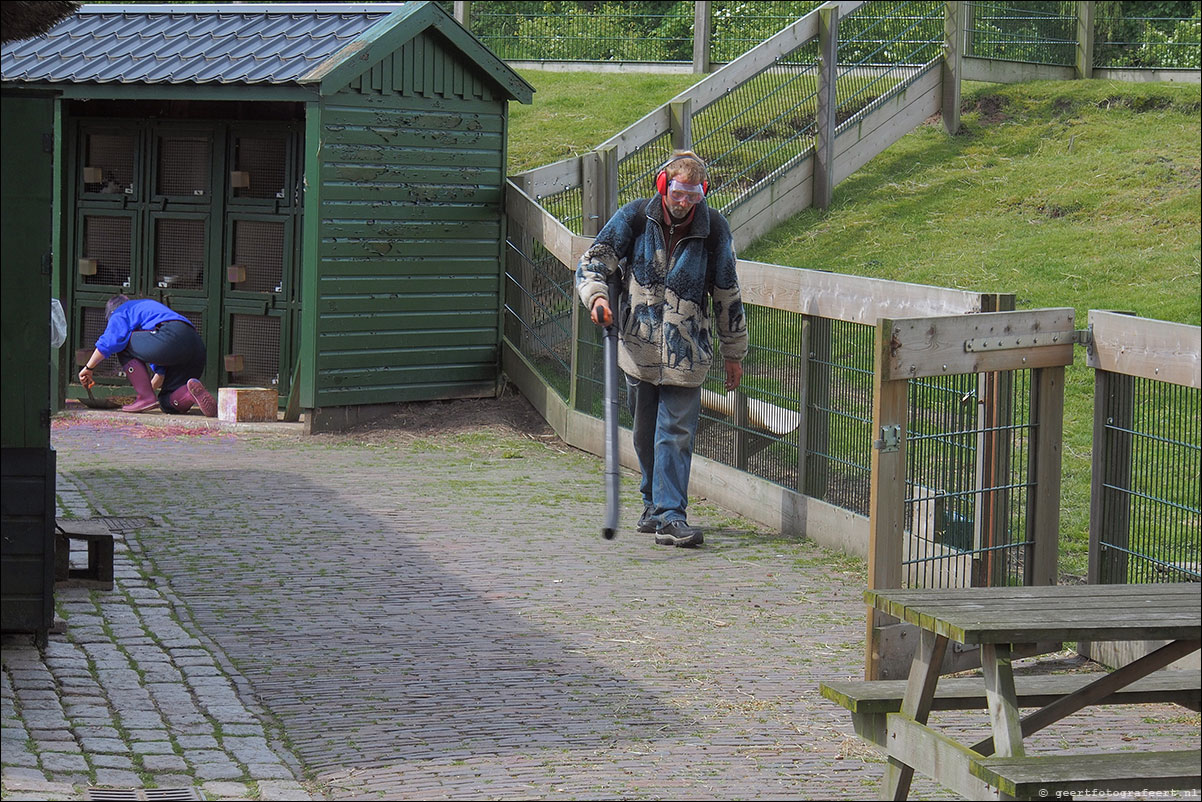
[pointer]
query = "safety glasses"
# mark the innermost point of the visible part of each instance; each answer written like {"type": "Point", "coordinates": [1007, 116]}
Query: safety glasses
{"type": "Point", "coordinates": [685, 193]}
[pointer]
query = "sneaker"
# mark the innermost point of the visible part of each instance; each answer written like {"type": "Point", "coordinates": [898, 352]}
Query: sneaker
{"type": "Point", "coordinates": [646, 523]}
{"type": "Point", "coordinates": [678, 533]}
{"type": "Point", "coordinates": [202, 398]}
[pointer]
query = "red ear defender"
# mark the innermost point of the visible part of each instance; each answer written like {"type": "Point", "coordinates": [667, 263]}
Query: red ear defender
{"type": "Point", "coordinates": [661, 181]}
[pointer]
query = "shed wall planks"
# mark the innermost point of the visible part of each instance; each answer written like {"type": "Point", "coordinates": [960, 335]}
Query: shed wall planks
{"type": "Point", "coordinates": [423, 67]}
{"type": "Point", "coordinates": [410, 234]}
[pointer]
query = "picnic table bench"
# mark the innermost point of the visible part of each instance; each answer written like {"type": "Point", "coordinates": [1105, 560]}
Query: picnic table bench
{"type": "Point", "coordinates": [893, 714]}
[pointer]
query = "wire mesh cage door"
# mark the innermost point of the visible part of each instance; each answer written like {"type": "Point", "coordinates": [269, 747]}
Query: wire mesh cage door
{"type": "Point", "coordinates": [252, 355]}
{"type": "Point", "coordinates": [180, 253]}
{"type": "Point", "coordinates": [108, 168]}
{"type": "Point", "coordinates": [260, 169]}
{"type": "Point", "coordinates": [258, 255]}
{"type": "Point", "coordinates": [183, 166]}
{"type": "Point", "coordinates": [937, 458]}
{"type": "Point", "coordinates": [106, 257]}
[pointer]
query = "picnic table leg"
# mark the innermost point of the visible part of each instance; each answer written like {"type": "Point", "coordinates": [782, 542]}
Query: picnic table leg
{"type": "Point", "coordinates": [920, 691]}
{"type": "Point", "coordinates": [1002, 700]}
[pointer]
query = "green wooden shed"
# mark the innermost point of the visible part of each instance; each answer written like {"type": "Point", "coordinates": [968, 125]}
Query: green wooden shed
{"type": "Point", "coordinates": [318, 188]}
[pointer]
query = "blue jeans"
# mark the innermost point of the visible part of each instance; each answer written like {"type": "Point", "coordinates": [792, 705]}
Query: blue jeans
{"type": "Point", "coordinates": [665, 423]}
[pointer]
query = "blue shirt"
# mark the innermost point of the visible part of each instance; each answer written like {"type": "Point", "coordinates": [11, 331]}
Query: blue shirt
{"type": "Point", "coordinates": [131, 316]}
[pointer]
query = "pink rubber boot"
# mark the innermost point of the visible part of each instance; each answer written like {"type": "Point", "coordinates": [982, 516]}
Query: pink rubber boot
{"type": "Point", "coordinates": [139, 379]}
{"type": "Point", "coordinates": [180, 399]}
{"type": "Point", "coordinates": [202, 398]}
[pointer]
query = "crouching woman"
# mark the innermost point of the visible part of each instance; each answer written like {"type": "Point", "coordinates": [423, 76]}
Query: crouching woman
{"type": "Point", "coordinates": [161, 353]}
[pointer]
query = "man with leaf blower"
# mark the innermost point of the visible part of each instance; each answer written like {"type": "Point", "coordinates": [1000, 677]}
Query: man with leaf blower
{"type": "Point", "coordinates": [673, 256]}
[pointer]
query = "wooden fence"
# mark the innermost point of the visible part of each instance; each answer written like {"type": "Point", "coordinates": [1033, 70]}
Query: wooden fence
{"type": "Point", "coordinates": [1144, 500]}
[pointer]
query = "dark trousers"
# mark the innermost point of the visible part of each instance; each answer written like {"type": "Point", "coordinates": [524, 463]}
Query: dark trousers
{"type": "Point", "coordinates": [174, 348]}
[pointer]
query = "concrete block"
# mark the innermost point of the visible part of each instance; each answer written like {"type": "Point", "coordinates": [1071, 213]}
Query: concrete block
{"type": "Point", "coordinates": [247, 404]}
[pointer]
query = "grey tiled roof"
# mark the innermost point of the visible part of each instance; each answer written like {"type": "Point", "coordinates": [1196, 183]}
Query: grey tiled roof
{"type": "Point", "coordinates": [223, 43]}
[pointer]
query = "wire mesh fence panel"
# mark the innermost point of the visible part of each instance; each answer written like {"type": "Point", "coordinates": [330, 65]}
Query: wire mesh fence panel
{"type": "Point", "coordinates": [258, 252]}
{"type": "Point", "coordinates": [590, 377]}
{"type": "Point", "coordinates": [261, 167]}
{"type": "Point", "coordinates": [184, 165]}
{"type": "Point", "coordinates": [1036, 33]}
{"type": "Point", "coordinates": [767, 124]}
{"type": "Point", "coordinates": [538, 309]}
{"type": "Point", "coordinates": [758, 429]}
{"type": "Point", "coordinates": [758, 128]}
{"type": "Point", "coordinates": [637, 171]}
{"type": "Point", "coordinates": [881, 45]}
{"type": "Point", "coordinates": [1149, 510]}
{"type": "Point", "coordinates": [968, 480]}
{"type": "Point", "coordinates": [1149, 42]}
{"type": "Point", "coordinates": [108, 167]}
{"type": "Point", "coordinates": [566, 206]}
{"type": "Point", "coordinates": [838, 419]}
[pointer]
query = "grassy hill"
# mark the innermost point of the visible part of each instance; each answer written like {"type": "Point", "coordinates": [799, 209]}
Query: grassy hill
{"type": "Point", "coordinates": [1082, 194]}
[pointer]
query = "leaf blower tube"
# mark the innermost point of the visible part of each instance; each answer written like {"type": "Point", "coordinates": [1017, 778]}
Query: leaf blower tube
{"type": "Point", "coordinates": [610, 529]}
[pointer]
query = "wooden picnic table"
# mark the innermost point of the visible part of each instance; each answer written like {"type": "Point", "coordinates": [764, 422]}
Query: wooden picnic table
{"type": "Point", "coordinates": [1000, 620]}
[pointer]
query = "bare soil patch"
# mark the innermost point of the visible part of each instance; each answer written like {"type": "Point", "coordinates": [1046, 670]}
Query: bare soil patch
{"type": "Point", "coordinates": [510, 412]}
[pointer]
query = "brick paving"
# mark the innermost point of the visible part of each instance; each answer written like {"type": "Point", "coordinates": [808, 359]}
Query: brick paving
{"type": "Point", "coordinates": [410, 616]}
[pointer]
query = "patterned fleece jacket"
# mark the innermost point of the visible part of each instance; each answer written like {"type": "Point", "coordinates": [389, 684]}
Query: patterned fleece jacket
{"type": "Point", "coordinates": [663, 316]}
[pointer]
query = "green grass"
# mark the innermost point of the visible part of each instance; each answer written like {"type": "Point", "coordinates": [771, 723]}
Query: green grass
{"type": "Point", "coordinates": [573, 112]}
{"type": "Point", "coordinates": [1067, 194]}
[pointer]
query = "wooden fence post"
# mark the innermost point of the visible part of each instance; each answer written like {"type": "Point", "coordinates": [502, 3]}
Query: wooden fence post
{"type": "Point", "coordinates": [953, 34]}
{"type": "Point", "coordinates": [1110, 509]}
{"type": "Point", "coordinates": [886, 504]}
{"type": "Point", "coordinates": [1084, 56]}
{"type": "Point", "coordinates": [995, 416]}
{"type": "Point", "coordinates": [599, 188]}
{"type": "Point", "coordinates": [680, 118]}
{"type": "Point", "coordinates": [1043, 506]}
{"type": "Point", "coordinates": [702, 31]}
{"type": "Point", "coordinates": [828, 106]}
{"type": "Point", "coordinates": [463, 13]}
{"type": "Point", "coordinates": [740, 422]}
{"type": "Point", "coordinates": [599, 201]}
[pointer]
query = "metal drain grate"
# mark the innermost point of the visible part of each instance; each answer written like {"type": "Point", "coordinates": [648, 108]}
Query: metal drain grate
{"type": "Point", "coordinates": [122, 794]}
{"type": "Point", "coordinates": [116, 523]}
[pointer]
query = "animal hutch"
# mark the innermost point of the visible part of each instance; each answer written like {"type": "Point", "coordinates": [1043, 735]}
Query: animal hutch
{"type": "Point", "coordinates": [317, 188]}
